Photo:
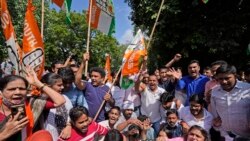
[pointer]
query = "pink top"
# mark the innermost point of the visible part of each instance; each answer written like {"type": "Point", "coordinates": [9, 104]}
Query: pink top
{"type": "Point", "coordinates": [94, 128]}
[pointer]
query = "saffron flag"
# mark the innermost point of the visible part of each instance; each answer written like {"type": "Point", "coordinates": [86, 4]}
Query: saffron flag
{"type": "Point", "coordinates": [64, 5]}
{"type": "Point", "coordinates": [14, 50]}
{"type": "Point", "coordinates": [33, 50]}
{"type": "Point", "coordinates": [102, 16]}
{"type": "Point", "coordinates": [108, 68]}
{"type": "Point", "coordinates": [132, 60]}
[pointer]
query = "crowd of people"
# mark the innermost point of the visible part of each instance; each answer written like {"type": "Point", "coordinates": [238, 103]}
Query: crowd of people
{"type": "Point", "coordinates": [163, 106]}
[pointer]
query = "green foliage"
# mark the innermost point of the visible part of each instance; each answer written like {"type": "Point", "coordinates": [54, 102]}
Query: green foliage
{"type": "Point", "coordinates": [218, 29]}
{"type": "Point", "coordinates": [61, 39]}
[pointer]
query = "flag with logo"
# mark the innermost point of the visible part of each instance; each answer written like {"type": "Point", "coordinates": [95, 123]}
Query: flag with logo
{"type": "Point", "coordinates": [108, 68]}
{"type": "Point", "coordinates": [64, 5]}
{"type": "Point", "coordinates": [14, 50]}
{"type": "Point", "coordinates": [132, 60]}
{"type": "Point", "coordinates": [33, 50]}
{"type": "Point", "coordinates": [102, 16]}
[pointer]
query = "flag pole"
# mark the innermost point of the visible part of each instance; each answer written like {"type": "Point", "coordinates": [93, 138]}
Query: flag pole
{"type": "Point", "coordinates": [116, 76]}
{"type": "Point", "coordinates": [103, 102]}
{"type": "Point", "coordinates": [88, 36]}
{"type": "Point", "coordinates": [42, 19]}
{"type": "Point", "coordinates": [156, 20]}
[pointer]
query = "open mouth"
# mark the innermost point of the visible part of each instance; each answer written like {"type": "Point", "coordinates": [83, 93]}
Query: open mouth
{"type": "Point", "coordinates": [17, 100]}
{"type": "Point", "coordinates": [112, 120]}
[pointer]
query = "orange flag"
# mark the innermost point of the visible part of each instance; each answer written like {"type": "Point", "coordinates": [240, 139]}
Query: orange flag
{"type": "Point", "coordinates": [33, 50]}
{"type": "Point", "coordinates": [133, 55]}
{"type": "Point", "coordinates": [14, 50]}
{"type": "Point", "coordinates": [108, 68]}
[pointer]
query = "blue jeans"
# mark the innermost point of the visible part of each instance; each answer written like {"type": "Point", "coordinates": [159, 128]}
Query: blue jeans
{"type": "Point", "coordinates": [156, 126]}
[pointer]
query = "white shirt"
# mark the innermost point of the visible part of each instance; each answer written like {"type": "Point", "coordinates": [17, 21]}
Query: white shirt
{"type": "Point", "coordinates": [118, 94]}
{"type": "Point", "coordinates": [233, 108]}
{"type": "Point", "coordinates": [205, 122]}
{"type": "Point", "coordinates": [150, 103]}
{"type": "Point", "coordinates": [132, 95]}
{"type": "Point", "coordinates": [105, 124]}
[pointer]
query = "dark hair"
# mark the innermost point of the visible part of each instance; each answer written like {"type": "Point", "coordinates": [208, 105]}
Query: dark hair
{"type": "Point", "coordinates": [218, 62]}
{"type": "Point", "coordinates": [53, 65]}
{"type": "Point", "coordinates": [167, 131]}
{"type": "Point", "coordinates": [172, 111]}
{"type": "Point", "coordinates": [113, 135]}
{"type": "Point", "coordinates": [9, 78]}
{"type": "Point", "coordinates": [228, 69]}
{"type": "Point", "coordinates": [142, 118]}
{"type": "Point", "coordinates": [50, 78]}
{"type": "Point", "coordinates": [247, 71]}
{"type": "Point", "coordinates": [197, 98]}
{"type": "Point", "coordinates": [207, 68]}
{"type": "Point", "coordinates": [163, 67]}
{"type": "Point", "coordinates": [115, 108]}
{"type": "Point", "coordinates": [166, 97]}
{"type": "Point", "coordinates": [194, 61]}
{"type": "Point", "coordinates": [67, 74]}
{"type": "Point", "coordinates": [99, 70]}
{"type": "Point", "coordinates": [203, 132]}
{"type": "Point", "coordinates": [133, 126]}
{"type": "Point", "coordinates": [77, 112]}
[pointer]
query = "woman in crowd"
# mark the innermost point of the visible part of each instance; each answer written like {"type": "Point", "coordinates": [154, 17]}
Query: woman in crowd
{"type": "Point", "coordinates": [13, 92]}
{"type": "Point", "coordinates": [113, 116]}
{"type": "Point", "coordinates": [114, 135]}
{"type": "Point", "coordinates": [83, 127]}
{"type": "Point", "coordinates": [57, 120]}
{"type": "Point", "coordinates": [197, 133]}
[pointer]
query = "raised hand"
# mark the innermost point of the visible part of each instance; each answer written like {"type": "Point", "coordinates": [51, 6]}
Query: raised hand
{"type": "Point", "coordinates": [85, 56]}
{"type": "Point", "coordinates": [177, 57]}
{"type": "Point", "coordinates": [176, 74]}
{"type": "Point", "coordinates": [31, 76]}
{"type": "Point", "coordinates": [146, 124]}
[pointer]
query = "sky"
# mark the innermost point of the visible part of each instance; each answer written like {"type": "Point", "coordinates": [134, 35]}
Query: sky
{"type": "Point", "coordinates": [123, 29]}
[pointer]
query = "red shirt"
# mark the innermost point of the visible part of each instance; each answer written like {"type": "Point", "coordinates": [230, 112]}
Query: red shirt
{"type": "Point", "coordinates": [94, 128]}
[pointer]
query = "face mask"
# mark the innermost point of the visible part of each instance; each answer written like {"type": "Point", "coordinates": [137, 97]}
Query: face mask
{"type": "Point", "coordinates": [172, 125]}
{"type": "Point", "coordinates": [9, 104]}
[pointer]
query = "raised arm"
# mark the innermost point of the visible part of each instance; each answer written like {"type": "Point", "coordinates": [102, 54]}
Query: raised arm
{"type": "Point", "coordinates": [66, 63]}
{"type": "Point", "coordinates": [78, 80]}
{"type": "Point", "coordinates": [139, 86]}
{"type": "Point", "coordinates": [176, 58]}
{"type": "Point", "coordinates": [56, 97]}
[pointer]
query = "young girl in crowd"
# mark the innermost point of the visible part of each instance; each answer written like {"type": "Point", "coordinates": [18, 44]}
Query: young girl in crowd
{"type": "Point", "coordinates": [83, 127]}
{"type": "Point", "coordinates": [57, 120]}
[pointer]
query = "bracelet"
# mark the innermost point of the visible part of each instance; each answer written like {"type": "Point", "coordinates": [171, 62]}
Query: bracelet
{"type": "Point", "coordinates": [42, 87]}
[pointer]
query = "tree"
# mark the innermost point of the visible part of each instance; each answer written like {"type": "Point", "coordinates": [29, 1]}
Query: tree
{"type": "Point", "coordinates": [207, 32]}
{"type": "Point", "coordinates": [61, 39]}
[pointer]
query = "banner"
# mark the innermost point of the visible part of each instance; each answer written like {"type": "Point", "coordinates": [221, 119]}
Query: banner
{"type": "Point", "coordinates": [132, 60]}
{"type": "Point", "coordinates": [33, 50]}
{"type": "Point", "coordinates": [102, 16]}
{"type": "Point", "coordinates": [14, 50]}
